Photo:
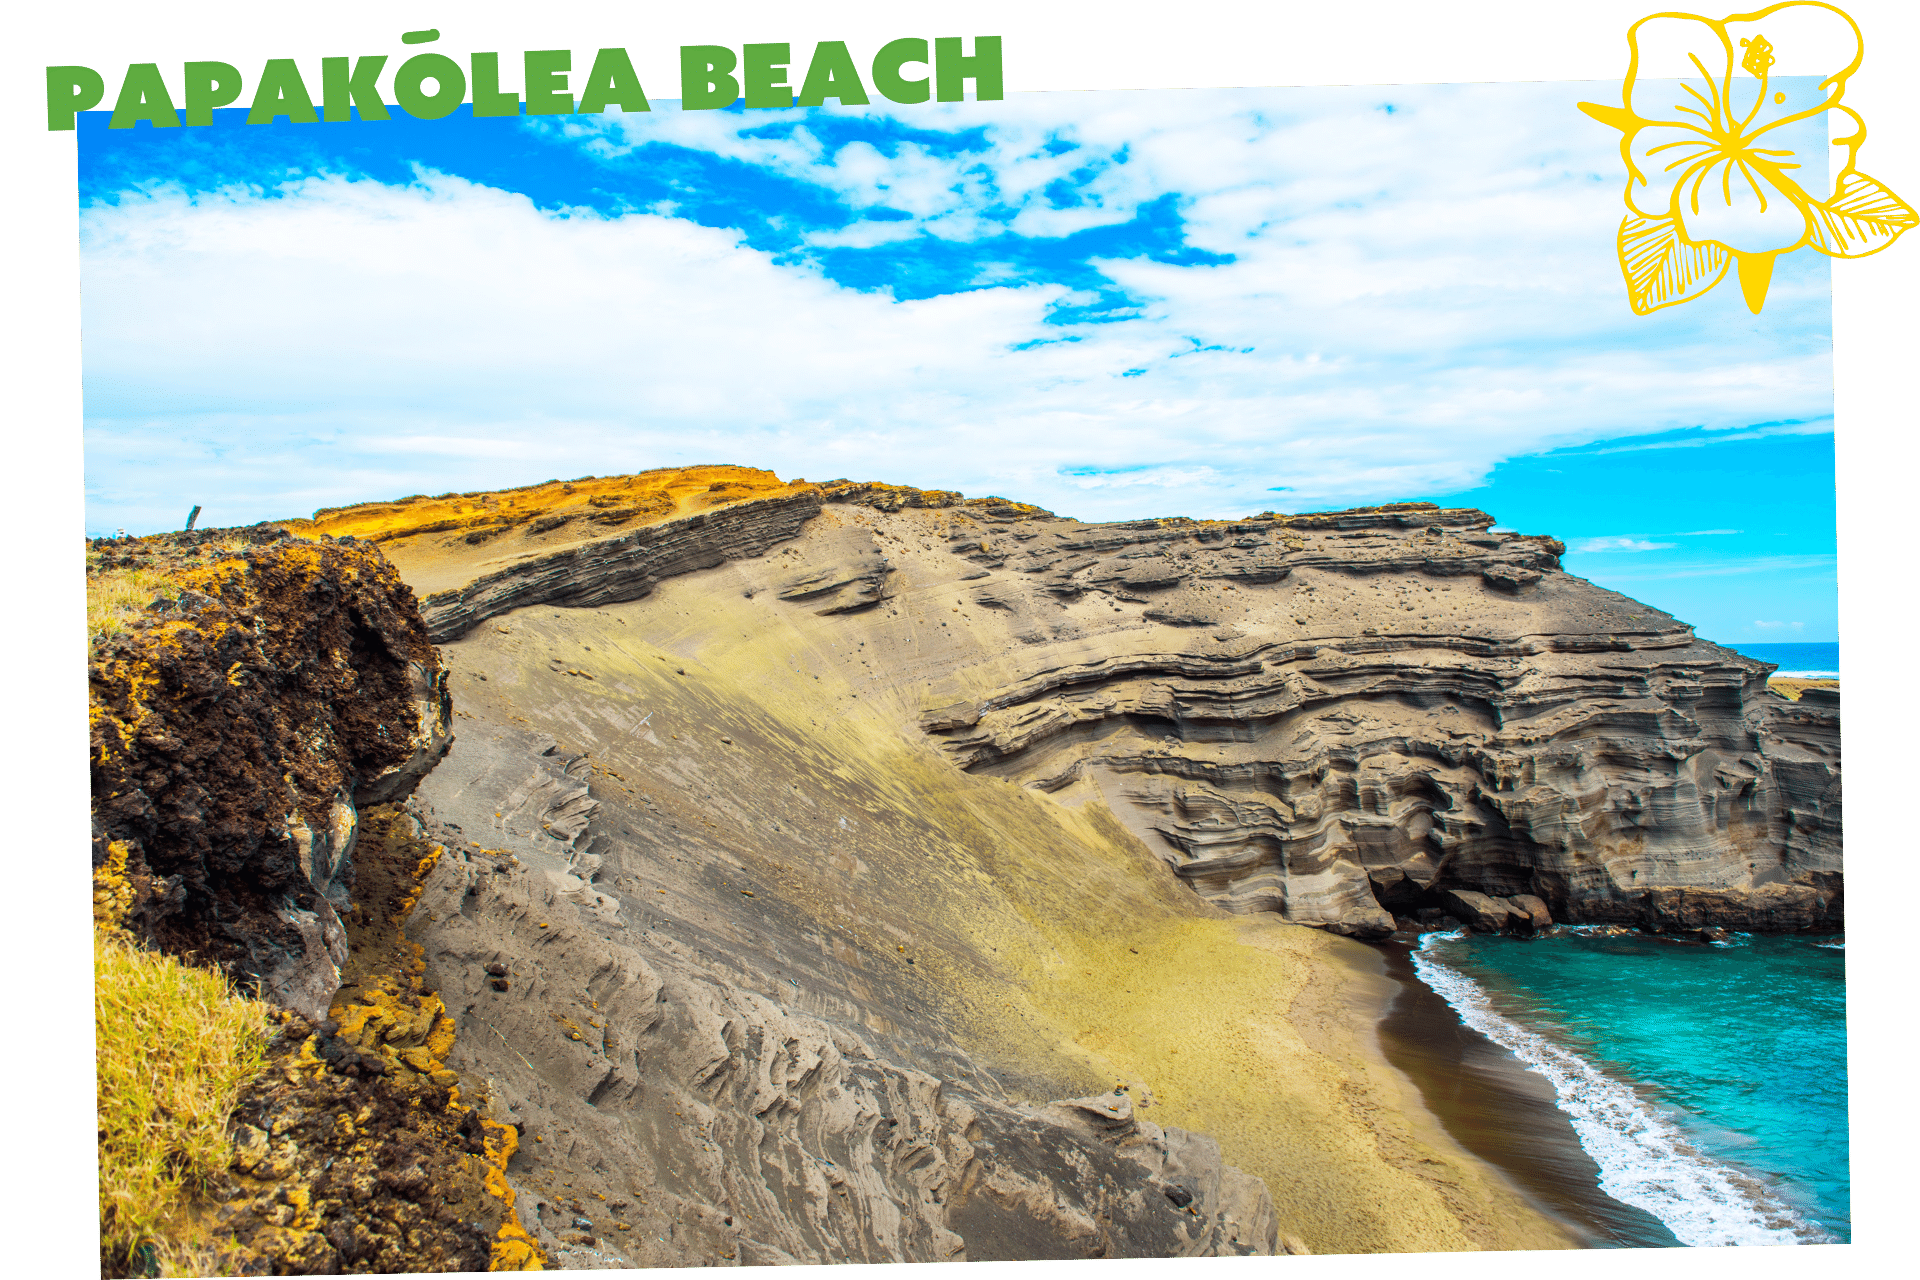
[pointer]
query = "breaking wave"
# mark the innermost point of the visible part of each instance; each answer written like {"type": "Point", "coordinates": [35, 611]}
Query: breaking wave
{"type": "Point", "coordinates": [1644, 1159]}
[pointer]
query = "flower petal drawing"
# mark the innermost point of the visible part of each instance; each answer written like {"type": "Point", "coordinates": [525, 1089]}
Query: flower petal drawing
{"type": "Point", "coordinates": [1727, 165]}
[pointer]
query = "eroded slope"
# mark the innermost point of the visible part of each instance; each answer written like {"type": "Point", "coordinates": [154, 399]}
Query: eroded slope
{"type": "Point", "coordinates": [805, 850]}
{"type": "Point", "coordinates": [733, 890]}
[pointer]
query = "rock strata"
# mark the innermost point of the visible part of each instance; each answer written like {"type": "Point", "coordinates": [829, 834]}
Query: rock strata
{"type": "Point", "coordinates": [807, 848]}
{"type": "Point", "coordinates": [626, 567]}
{"type": "Point", "coordinates": [1338, 716]}
{"type": "Point", "coordinates": [1426, 707]}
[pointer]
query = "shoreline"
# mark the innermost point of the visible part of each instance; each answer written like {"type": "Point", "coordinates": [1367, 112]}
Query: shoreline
{"type": "Point", "coordinates": [1653, 1044]}
{"type": "Point", "coordinates": [1271, 1054]}
{"type": "Point", "coordinates": [1503, 1113]}
{"type": "Point", "coordinates": [1338, 1013]}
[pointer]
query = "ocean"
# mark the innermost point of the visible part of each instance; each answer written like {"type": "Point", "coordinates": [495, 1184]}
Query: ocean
{"type": "Point", "coordinates": [1707, 1083]}
{"type": "Point", "coordinates": [1805, 661]}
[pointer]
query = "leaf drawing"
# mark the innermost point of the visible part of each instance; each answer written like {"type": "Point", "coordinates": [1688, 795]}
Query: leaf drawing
{"type": "Point", "coordinates": [1661, 269]}
{"type": "Point", "coordinates": [1863, 217]}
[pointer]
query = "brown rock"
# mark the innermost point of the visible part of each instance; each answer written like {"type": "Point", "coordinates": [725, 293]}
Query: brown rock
{"type": "Point", "coordinates": [1530, 914]}
{"type": "Point", "coordinates": [1481, 912]}
{"type": "Point", "coordinates": [232, 752]}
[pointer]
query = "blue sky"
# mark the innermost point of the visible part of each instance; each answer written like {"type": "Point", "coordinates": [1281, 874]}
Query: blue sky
{"type": "Point", "coordinates": [1114, 304]}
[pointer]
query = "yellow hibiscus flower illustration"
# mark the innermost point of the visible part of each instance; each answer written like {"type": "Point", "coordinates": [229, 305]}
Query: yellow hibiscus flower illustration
{"type": "Point", "coordinates": [1714, 177]}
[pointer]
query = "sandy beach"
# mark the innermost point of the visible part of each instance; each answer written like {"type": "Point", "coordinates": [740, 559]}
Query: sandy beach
{"type": "Point", "coordinates": [1503, 1113]}
{"type": "Point", "coordinates": [1270, 1045]}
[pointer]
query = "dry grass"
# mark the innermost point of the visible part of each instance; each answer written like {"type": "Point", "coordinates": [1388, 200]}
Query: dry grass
{"type": "Point", "coordinates": [174, 1045]}
{"type": "Point", "coordinates": [1791, 687]}
{"type": "Point", "coordinates": [118, 595]}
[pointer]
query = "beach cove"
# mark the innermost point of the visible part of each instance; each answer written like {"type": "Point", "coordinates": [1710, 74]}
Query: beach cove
{"type": "Point", "coordinates": [851, 872]}
{"type": "Point", "coordinates": [1708, 1081]}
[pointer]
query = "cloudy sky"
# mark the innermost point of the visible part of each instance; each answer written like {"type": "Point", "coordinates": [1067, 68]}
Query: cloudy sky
{"type": "Point", "coordinates": [1204, 302]}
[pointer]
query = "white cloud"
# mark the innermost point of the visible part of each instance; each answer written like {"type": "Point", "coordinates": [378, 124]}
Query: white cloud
{"type": "Point", "coordinates": [864, 234]}
{"type": "Point", "coordinates": [1621, 543]}
{"type": "Point", "coordinates": [1780, 568]}
{"type": "Point", "coordinates": [1423, 294]}
{"type": "Point", "coordinates": [1779, 626]}
{"type": "Point", "coordinates": [1147, 477]}
{"type": "Point", "coordinates": [1822, 425]}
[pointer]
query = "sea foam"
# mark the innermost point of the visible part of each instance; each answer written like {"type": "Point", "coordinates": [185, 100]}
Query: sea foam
{"type": "Point", "coordinates": [1644, 1159]}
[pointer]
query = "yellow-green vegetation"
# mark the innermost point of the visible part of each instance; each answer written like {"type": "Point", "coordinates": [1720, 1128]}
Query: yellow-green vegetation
{"type": "Point", "coordinates": [601, 503]}
{"type": "Point", "coordinates": [121, 586]}
{"type": "Point", "coordinates": [117, 595]}
{"type": "Point", "coordinates": [1791, 688]}
{"type": "Point", "coordinates": [174, 1044]}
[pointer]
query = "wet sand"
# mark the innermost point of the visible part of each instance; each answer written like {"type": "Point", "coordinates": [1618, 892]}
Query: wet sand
{"type": "Point", "coordinates": [1505, 1114]}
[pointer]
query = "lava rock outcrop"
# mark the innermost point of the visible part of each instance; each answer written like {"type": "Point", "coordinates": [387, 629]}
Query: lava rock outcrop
{"type": "Point", "coordinates": [237, 729]}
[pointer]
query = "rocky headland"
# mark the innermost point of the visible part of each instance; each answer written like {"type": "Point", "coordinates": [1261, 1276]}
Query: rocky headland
{"type": "Point", "coordinates": [254, 730]}
{"type": "Point", "coordinates": [849, 872]}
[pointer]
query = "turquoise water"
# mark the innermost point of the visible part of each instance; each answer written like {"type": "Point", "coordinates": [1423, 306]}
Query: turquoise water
{"type": "Point", "coordinates": [1709, 1083]}
{"type": "Point", "coordinates": [1807, 659]}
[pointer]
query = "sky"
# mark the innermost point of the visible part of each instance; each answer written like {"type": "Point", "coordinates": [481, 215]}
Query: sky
{"type": "Point", "coordinates": [1115, 304]}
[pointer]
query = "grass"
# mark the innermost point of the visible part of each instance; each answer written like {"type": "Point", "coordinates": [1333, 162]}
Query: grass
{"type": "Point", "coordinates": [173, 1046]}
{"type": "Point", "coordinates": [117, 595]}
{"type": "Point", "coordinates": [1791, 687]}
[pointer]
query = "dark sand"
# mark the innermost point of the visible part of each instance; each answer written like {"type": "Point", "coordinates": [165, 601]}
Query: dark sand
{"type": "Point", "coordinates": [1502, 1112]}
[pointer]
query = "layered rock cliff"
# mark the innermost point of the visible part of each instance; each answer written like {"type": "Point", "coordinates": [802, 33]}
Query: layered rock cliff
{"type": "Point", "coordinates": [1339, 717]}
{"type": "Point", "coordinates": [820, 765]}
{"type": "Point", "coordinates": [855, 872]}
{"type": "Point", "coordinates": [1379, 706]}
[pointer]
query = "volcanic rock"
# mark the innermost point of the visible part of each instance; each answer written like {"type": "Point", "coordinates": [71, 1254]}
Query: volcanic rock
{"type": "Point", "coordinates": [863, 773]}
{"type": "Point", "coordinates": [1530, 914]}
{"type": "Point", "coordinates": [1482, 913]}
{"type": "Point", "coordinates": [234, 744]}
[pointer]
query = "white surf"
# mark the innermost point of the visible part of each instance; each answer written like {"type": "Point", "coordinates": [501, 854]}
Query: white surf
{"type": "Point", "coordinates": [1644, 1159]}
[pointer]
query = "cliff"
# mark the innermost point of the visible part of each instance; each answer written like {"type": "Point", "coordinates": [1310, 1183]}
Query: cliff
{"type": "Point", "coordinates": [255, 729]}
{"type": "Point", "coordinates": [923, 778]}
{"type": "Point", "coordinates": [851, 872]}
{"type": "Point", "coordinates": [1339, 717]}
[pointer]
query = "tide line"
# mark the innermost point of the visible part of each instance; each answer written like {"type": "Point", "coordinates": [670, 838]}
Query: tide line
{"type": "Point", "coordinates": [1644, 1160]}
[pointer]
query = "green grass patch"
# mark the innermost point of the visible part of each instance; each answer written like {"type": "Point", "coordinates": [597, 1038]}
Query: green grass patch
{"type": "Point", "coordinates": [118, 595]}
{"type": "Point", "coordinates": [123, 582]}
{"type": "Point", "coordinates": [173, 1046]}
